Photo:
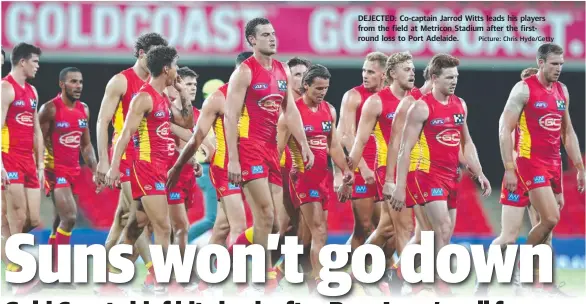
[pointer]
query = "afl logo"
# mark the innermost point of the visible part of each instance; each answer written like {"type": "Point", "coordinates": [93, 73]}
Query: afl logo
{"type": "Point", "coordinates": [449, 137]}
{"type": "Point", "coordinates": [18, 103]}
{"type": "Point", "coordinates": [391, 115]}
{"type": "Point", "coordinates": [541, 105]}
{"type": "Point", "coordinates": [25, 119]}
{"type": "Point", "coordinates": [163, 130]}
{"type": "Point", "coordinates": [551, 122]}
{"type": "Point", "coordinates": [71, 139]}
{"type": "Point", "coordinates": [160, 114]}
{"type": "Point", "coordinates": [260, 86]}
{"type": "Point", "coordinates": [271, 103]}
{"type": "Point", "coordinates": [437, 122]}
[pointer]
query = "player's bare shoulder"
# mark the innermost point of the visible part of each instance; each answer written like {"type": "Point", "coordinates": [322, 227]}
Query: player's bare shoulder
{"type": "Point", "coordinates": [351, 99]}
{"type": "Point", "coordinates": [419, 110]}
{"type": "Point", "coordinates": [565, 89]}
{"type": "Point", "coordinates": [7, 92]}
{"type": "Point", "coordinates": [518, 97]}
{"type": "Point", "coordinates": [117, 84]}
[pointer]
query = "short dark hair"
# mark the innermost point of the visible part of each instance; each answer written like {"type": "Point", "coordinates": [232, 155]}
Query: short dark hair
{"type": "Point", "coordinates": [65, 71]}
{"type": "Point", "coordinates": [159, 57]}
{"type": "Point", "coordinates": [549, 48]}
{"type": "Point", "coordinates": [146, 41]}
{"type": "Point", "coordinates": [242, 56]}
{"type": "Point", "coordinates": [295, 61]}
{"type": "Point", "coordinates": [314, 71]}
{"type": "Point", "coordinates": [24, 51]}
{"type": "Point", "coordinates": [440, 62]}
{"type": "Point", "coordinates": [187, 72]}
{"type": "Point", "coordinates": [250, 29]}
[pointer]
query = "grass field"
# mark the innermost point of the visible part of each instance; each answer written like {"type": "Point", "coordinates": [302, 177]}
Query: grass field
{"type": "Point", "coordinates": [573, 280]}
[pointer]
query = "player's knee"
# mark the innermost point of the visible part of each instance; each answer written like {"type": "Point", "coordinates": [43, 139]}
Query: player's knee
{"type": "Point", "coordinates": [445, 229]}
{"type": "Point", "coordinates": [405, 226]}
{"type": "Point", "coordinates": [266, 217]}
{"type": "Point", "coordinates": [180, 226]}
{"type": "Point", "coordinates": [386, 231]}
{"type": "Point", "coordinates": [550, 221]}
{"type": "Point", "coordinates": [68, 221]}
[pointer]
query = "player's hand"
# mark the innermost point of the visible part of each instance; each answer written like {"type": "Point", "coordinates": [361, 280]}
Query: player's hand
{"type": "Point", "coordinates": [350, 162]}
{"type": "Point", "coordinates": [367, 175]}
{"type": "Point", "coordinates": [179, 84]}
{"type": "Point", "coordinates": [198, 169]}
{"type": "Point", "coordinates": [308, 157]}
{"type": "Point", "coordinates": [234, 172]}
{"type": "Point", "coordinates": [388, 189]}
{"type": "Point", "coordinates": [560, 199]}
{"type": "Point", "coordinates": [172, 177]}
{"type": "Point", "coordinates": [338, 181]}
{"type": "Point", "coordinates": [510, 180]}
{"type": "Point", "coordinates": [580, 180]}
{"type": "Point", "coordinates": [41, 176]}
{"type": "Point", "coordinates": [348, 177]}
{"type": "Point", "coordinates": [484, 185]}
{"type": "Point", "coordinates": [398, 198]}
{"type": "Point", "coordinates": [113, 177]}
{"type": "Point", "coordinates": [100, 175]}
{"type": "Point", "coordinates": [344, 193]}
{"type": "Point", "coordinates": [5, 180]}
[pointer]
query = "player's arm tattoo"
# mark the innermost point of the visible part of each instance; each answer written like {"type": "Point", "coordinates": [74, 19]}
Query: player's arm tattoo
{"type": "Point", "coordinates": [370, 112]}
{"type": "Point", "coordinates": [508, 121]}
{"type": "Point", "coordinates": [416, 116]}
{"type": "Point", "coordinates": [569, 137]}
{"type": "Point", "coordinates": [87, 149]}
{"type": "Point", "coordinates": [397, 136]}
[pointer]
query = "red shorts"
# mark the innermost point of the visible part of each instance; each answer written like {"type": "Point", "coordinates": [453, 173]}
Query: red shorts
{"type": "Point", "coordinates": [260, 160]}
{"type": "Point", "coordinates": [183, 191]}
{"type": "Point", "coordinates": [148, 179]}
{"type": "Point", "coordinates": [424, 187]}
{"type": "Point", "coordinates": [63, 179]}
{"type": "Point", "coordinates": [219, 178]}
{"type": "Point", "coordinates": [308, 187]}
{"type": "Point", "coordinates": [380, 176]}
{"type": "Point", "coordinates": [534, 174]}
{"type": "Point", "coordinates": [125, 165]}
{"type": "Point", "coordinates": [21, 169]}
{"type": "Point", "coordinates": [361, 189]}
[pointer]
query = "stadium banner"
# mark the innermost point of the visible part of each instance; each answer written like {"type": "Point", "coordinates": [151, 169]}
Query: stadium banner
{"type": "Point", "coordinates": [212, 33]}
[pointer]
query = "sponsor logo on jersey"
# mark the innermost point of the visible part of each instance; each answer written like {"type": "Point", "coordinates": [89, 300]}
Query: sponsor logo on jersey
{"type": "Point", "coordinates": [326, 126]}
{"type": "Point", "coordinates": [174, 196]}
{"type": "Point", "coordinates": [391, 115]}
{"type": "Point", "coordinates": [271, 103]}
{"type": "Point", "coordinates": [308, 128]}
{"type": "Point", "coordinates": [82, 123]}
{"type": "Point", "coordinates": [257, 169]}
{"type": "Point", "coordinates": [62, 124]}
{"type": "Point", "coordinates": [360, 189]}
{"type": "Point", "coordinates": [25, 119]}
{"type": "Point", "coordinates": [539, 179]}
{"type": "Point", "coordinates": [551, 122]}
{"type": "Point", "coordinates": [437, 122]}
{"type": "Point", "coordinates": [163, 130]}
{"type": "Point", "coordinates": [12, 175]}
{"type": "Point", "coordinates": [61, 181]}
{"type": "Point", "coordinates": [449, 137]}
{"type": "Point", "coordinates": [282, 84]}
{"type": "Point", "coordinates": [540, 104]}
{"type": "Point", "coordinates": [459, 119]}
{"type": "Point", "coordinates": [71, 139]}
{"type": "Point", "coordinates": [437, 191]}
{"type": "Point", "coordinates": [18, 103]}
{"type": "Point", "coordinates": [561, 105]}
{"type": "Point", "coordinates": [127, 171]}
{"type": "Point", "coordinates": [260, 86]}
{"type": "Point", "coordinates": [159, 186]}
{"type": "Point", "coordinates": [313, 193]}
{"type": "Point", "coordinates": [513, 197]}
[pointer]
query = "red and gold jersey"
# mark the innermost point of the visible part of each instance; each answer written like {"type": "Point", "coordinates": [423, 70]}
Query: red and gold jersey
{"type": "Point", "coordinates": [416, 93]}
{"type": "Point", "coordinates": [382, 129]}
{"type": "Point", "coordinates": [155, 145]}
{"type": "Point", "coordinates": [262, 104]}
{"type": "Point", "coordinates": [220, 158]}
{"type": "Point", "coordinates": [18, 131]}
{"type": "Point", "coordinates": [369, 153]}
{"type": "Point", "coordinates": [538, 134]}
{"type": "Point", "coordinates": [318, 126]}
{"type": "Point", "coordinates": [62, 151]}
{"type": "Point", "coordinates": [133, 85]}
{"type": "Point", "coordinates": [436, 151]}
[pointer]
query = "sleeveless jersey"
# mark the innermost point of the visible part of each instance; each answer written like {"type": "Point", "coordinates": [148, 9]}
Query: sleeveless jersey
{"type": "Point", "coordinates": [62, 151]}
{"type": "Point", "coordinates": [221, 155]}
{"type": "Point", "coordinates": [133, 85]}
{"type": "Point", "coordinates": [416, 93]}
{"type": "Point", "coordinates": [285, 161]}
{"type": "Point", "coordinates": [318, 126]}
{"type": "Point", "coordinates": [18, 130]}
{"type": "Point", "coordinates": [155, 145]}
{"type": "Point", "coordinates": [187, 171]}
{"type": "Point", "coordinates": [382, 130]}
{"type": "Point", "coordinates": [538, 133]}
{"type": "Point", "coordinates": [262, 103]}
{"type": "Point", "coordinates": [436, 151]}
{"type": "Point", "coordinates": [369, 153]}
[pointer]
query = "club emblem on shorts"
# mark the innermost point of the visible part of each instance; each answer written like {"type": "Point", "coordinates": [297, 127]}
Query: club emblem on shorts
{"type": "Point", "coordinates": [561, 105]}
{"type": "Point", "coordinates": [415, 196]}
{"type": "Point", "coordinates": [302, 195]}
{"type": "Point", "coordinates": [82, 123]}
{"type": "Point", "coordinates": [159, 186]}
{"type": "Point", "coordinates": [424, 194]}
{"type": "Point", "coordinates": [244, 173]}
{"type": "Point", "coordinates": [513, 197]}
{"type": "Point", "coordinates": [61, 181]}
{"type": "Point", "coordinates": [437, 192]}
{"type": "Point", "coordinates": [539, 179]}
{"type": "Point", "coordinates": [174, 196]}
{"type": "Point", "coordinates": [360, 189]}
{"type": "Point", "coordinates": [148, 187]}
{"type": "Point", "coordinates": [282, 85]}
{"type": "Point", "coordinates": [257, 169]}
{"type": "Point", "coordinates": [459, 119]}
{"type": "Point", "coordinates": [12, 175]}
{"type": "Point", "coordinates": [313, 193]}
{"type": "Point", "coordinates": [326, 126]}
{"type": "Point", "coordinates": [222, 188]}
